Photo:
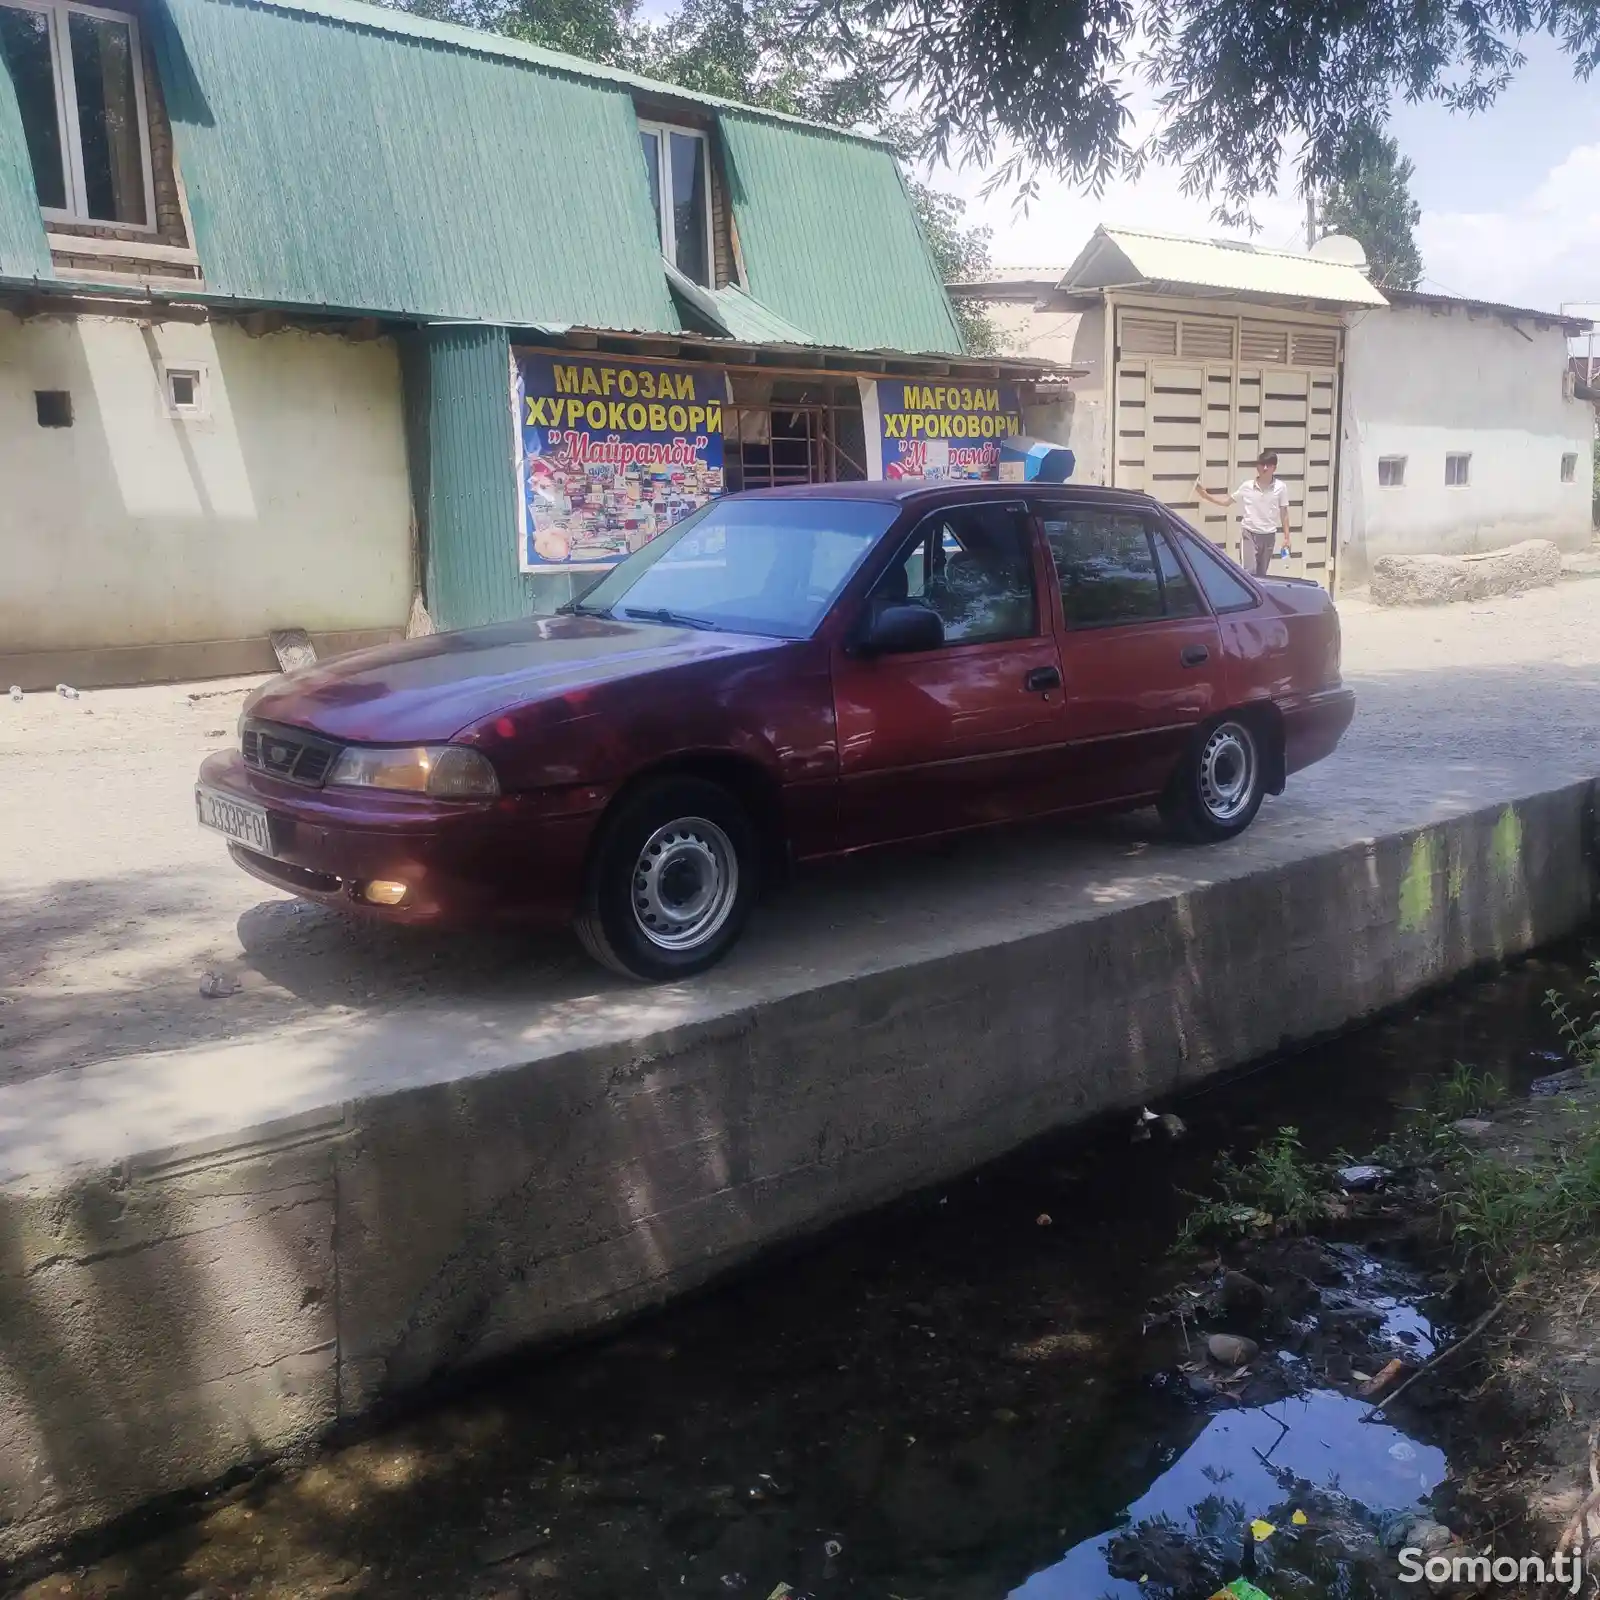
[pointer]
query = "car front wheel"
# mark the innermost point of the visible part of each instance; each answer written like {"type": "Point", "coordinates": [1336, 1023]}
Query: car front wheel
{"type": "Point", "coordinates": [671, 881]}
{"type": "Point", "coordinates": [1218, 787]}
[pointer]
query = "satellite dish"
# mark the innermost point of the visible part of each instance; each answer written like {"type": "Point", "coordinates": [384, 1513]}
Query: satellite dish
{"type": "Point", "coordinates": [1342, 249]}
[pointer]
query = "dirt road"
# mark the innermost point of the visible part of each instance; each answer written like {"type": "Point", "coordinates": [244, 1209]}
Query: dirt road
{"type": "Point", "coordinates": [113, 903]}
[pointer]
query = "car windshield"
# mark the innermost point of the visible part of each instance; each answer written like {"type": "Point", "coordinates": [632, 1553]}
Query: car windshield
{"type": "Point", "coordinates": [750, 566]}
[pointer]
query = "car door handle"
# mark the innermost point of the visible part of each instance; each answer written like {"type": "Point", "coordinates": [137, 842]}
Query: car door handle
{"type": "Point", "coordinates": [1194, 655]}
{"type": "Point", "coordinates": [1042, 679]}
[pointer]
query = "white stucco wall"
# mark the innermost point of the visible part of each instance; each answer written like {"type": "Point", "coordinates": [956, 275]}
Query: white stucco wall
{"type": "Point", "coordinates": [285, 504]}
{"type": "Point", "coordinates": [1075, 339]}
{"type": "Point", "coordinates": [1423, 382]}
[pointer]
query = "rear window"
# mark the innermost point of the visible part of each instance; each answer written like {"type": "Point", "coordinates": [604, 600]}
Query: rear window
{"type": "Point", "coordinates": [1223, 587]}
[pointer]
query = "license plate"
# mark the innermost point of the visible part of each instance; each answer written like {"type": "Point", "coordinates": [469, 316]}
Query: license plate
{"type": "Point", "coordinates": [236, 819]}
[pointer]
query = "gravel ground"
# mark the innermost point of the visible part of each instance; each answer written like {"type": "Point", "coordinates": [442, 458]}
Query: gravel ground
{"type": "Point", "coordinates": [113, 903]}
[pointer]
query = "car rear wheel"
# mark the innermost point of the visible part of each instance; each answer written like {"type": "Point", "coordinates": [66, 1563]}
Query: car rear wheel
{"type": "Point", "coordinates": [671, 881]}
{"type": "Point", "coordinates": [1218, 787]}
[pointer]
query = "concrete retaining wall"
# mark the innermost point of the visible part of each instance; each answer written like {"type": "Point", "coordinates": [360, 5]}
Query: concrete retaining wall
{"type": "Point", "coordinates": [177, 1314]}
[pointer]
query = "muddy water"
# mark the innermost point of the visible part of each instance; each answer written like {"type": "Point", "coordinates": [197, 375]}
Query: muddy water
{"type": "Point", "coordinates": [957, 1397]}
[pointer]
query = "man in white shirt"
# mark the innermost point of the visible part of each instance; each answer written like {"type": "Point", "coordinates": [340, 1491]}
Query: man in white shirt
{"type": "Point", "coordinates": [1263, 503]}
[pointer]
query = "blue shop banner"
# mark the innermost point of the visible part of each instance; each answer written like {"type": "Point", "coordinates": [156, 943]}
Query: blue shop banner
{"type": "Point", "coordinates": [610, 453]}
{"type": "Point", "coordinates": [937, 429]}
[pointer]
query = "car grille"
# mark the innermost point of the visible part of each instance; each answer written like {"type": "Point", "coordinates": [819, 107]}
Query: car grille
{"type": "Point", "coordinates": [288, 753]}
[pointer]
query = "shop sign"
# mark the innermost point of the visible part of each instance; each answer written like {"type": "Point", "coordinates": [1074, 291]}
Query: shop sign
{"type": "Point", "coordinates": [922, 428]}
{"type": "Point", "coordinates": [610, 453]}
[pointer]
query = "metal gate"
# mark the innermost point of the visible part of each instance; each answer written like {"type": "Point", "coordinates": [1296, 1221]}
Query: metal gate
{"type": "Point", "coordinates": [1203, 396]}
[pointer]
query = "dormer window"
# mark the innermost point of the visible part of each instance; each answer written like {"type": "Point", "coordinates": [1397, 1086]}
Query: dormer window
{"type": "Point", "coordinates": [77, 74]}
{"type": "Point", "coordinates": [677, 162]}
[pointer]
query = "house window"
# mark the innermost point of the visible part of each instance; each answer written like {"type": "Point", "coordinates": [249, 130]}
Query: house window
{"type": "Point", "coordinates": [53, 407]}
{"type": "Point", "coordinates": [185, 391]}
{"type": "Point", "coordinates": [1569, 467]}
{"type": "Point", "coordinates": [1391, 472]}
{"type": "Point", "coordinates": [78, 82]}
{"type": "Point", "coordinates": [1456, 467]}
{"type": "Point", "coordinates": [677, 162]}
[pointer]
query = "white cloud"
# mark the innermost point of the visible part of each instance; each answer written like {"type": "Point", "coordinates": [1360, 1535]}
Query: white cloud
{"type": "Point", "coordinates": [1539, 253]}
{"type": "Point", "coordinates": [1542, 252]}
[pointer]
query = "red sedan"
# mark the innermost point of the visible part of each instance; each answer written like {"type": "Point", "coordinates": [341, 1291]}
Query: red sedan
{"type": "Point", "coordinates": [782, 677]}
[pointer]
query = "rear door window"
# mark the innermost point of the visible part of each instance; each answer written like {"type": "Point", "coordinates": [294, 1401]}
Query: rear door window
{"type": "Point", "coordinates": [1178, 593]}
{"type": "Point", "coordinates": [1109, 570]}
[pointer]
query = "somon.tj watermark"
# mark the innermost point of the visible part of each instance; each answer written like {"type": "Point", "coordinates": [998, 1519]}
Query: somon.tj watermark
{"type": "Point", "coordinates": [1563, 1570]}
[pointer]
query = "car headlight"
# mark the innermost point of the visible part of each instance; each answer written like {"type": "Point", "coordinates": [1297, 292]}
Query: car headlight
{"type": "Point", "coordinates": [447, 771]}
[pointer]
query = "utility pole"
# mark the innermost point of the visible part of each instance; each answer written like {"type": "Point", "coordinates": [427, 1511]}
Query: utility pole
{"type": "Point", "coordinates": [1311, 218]}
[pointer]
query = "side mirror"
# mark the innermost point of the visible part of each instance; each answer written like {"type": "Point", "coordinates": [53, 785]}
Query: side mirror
{"type": "Point", "coordinates": [899, 630]}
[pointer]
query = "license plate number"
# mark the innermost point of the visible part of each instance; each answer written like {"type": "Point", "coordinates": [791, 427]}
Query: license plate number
{"type": "Point", "coordinates": [236, 819]}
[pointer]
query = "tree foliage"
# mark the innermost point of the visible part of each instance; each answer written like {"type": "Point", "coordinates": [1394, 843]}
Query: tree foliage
{"type": "Point", "coordinates": [752, 51]}
{"type": "Point", "coordinates": [1030, 87]}
{"type": "Point", "coordinates": [962, 254]}
{"type": "Point", "coordinates": [1371, 201]}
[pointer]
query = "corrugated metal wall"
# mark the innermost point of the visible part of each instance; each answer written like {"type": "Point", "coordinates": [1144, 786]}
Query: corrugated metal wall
{"type": "Point", "coordinates": [830, 240]}
{"type": "Point", "coordinates": [23, 252]}
{"type": "Point", "coordinates": [333, 164]}
{"type": "Point", "coordinates": [470, 517]}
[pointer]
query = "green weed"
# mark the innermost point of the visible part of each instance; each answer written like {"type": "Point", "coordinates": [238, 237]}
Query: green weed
{"type": "Point", "coordinates": [1504, 1215]}
{"type": "Point", "coordinates": [1579, 1032]}
{"type": "Point", "coordinates": [1278, 1187]}
{"type": "Point", "coordinates": [1466, 1093]}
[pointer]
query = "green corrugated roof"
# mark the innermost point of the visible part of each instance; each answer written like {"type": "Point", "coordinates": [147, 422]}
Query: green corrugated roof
{"type": "Point", "coordinates": [329, 163]}
{"type": "Point", "coordinates": [347, 156]}
{"type": "Point", "coordinates": [23, 251]}
{"type": "Point", "coordinates": [748, 320]}
{"type": "Point", "coordinates": [829, 239]}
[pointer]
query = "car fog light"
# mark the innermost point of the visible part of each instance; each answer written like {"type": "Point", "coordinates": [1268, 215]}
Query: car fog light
{"type": "Point", "coordinates": [385, 892]}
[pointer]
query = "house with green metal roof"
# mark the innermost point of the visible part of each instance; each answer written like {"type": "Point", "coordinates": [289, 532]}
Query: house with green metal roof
{"type": "Point", "coordinates": [311, 310]}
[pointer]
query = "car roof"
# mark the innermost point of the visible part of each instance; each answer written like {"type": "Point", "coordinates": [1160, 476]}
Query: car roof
{"type": "Point", "coordinates": [906, 491]}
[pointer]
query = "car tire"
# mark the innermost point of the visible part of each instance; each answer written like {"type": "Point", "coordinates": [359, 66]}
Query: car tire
{"type": "Point", "coordinates": [1220, 782]}
{"type": "Point", "coordinates": [671, 880]}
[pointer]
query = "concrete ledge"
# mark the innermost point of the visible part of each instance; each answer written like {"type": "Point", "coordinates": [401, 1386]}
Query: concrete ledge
{"type": "Point", "coordinates": [170, 663]}
{"type": "Point", "coordinates": [326, 1236]}
{"type": "Point", "coordinates": [1438, 580]}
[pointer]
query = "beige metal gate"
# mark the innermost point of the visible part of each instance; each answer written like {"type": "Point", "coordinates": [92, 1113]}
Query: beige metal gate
{"type": "Point", "coordinates": [1202, 396]}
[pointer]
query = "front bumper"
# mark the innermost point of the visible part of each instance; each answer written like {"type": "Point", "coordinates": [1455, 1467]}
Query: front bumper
{"type": "Point", "coordinates": [518, 858]}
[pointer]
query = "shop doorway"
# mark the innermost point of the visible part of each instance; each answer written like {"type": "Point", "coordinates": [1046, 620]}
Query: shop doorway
{"type": "Point", "coordinates": [783, 431]}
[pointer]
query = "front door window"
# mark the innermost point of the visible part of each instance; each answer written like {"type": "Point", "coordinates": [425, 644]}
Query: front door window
{"type": "Point", "coordinates": [974, 566]}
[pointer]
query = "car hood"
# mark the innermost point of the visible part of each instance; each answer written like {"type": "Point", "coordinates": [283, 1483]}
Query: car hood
{"type": "Point", "coordinates": [428, 690]}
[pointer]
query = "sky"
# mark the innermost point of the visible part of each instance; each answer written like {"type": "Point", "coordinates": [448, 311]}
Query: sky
{"type": "Point", "coordinates": [1510, 199]}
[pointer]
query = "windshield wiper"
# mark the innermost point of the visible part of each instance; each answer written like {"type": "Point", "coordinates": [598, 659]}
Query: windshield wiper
{"type": "Point", "coordinates": [673, 619]}
{"type": "Point", "coordinates": [576, 608]}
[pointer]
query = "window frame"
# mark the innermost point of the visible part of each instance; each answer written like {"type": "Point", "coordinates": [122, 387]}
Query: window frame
{"type": "Point", "coordinates": [1396, 482]}
{"type": "Point", "coordinates": [666, 225]}
{"type": "Point", "coordinates": [1465, 480]}
{"type": "Point", "coordinates": [67, 122]}
{"type": "Point", "coordinates": [200, 408]}
{"type": "Point", "coordinates": [1569, 466]}
{"type": "Point", "coordinates": [919, 533]}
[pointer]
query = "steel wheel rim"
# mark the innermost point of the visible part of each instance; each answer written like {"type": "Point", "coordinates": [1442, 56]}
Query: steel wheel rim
{"type": "Point", "coordinates": [684, 883]}
{"type": "Point", "coordinates": [1227, 771]}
